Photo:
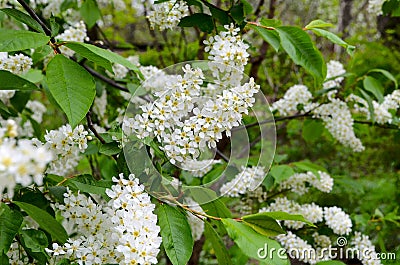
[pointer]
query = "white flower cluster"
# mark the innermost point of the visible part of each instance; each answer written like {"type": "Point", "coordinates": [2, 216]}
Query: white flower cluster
{"type": "Point", "coordinates": [167, 15]}
{"type": "Point", "coordinates": [198, 168]}
{"type": "Point", "coordinates": [382, 113]}
{"type": "Point", "coordinates": [76, 33]}
{"type": "Point", "coordinates": [17, 255]}
{"type": "Point", "coordinates": [116, 4]}
{"type": "Point", "coordinates": [246, 180]}
{"type": "Point", "coordinates": [196, 224]}
{"type": "Point", "coordinates": [294, 96]}
{"type": "Point", "coordinates": [297, 182]}
{"type": "Point", "coordinates": [311, 212]}
{"type": "Point", "coordinates": [16, 64]}
{"type": "Point", "coordinates": [123, 231]}
{"type": "Point", "coordinates": [65, 144]}
{"type": "Point", "coordinates": [121, 71]}
{"type": "Point", "coordinates": [334, 69]}
{"type": "Point", "coordinates": [298, 248]}
{"type": "Point", "coordinates": [20, 161]}
{"type": "Point", "coordinates": [229, 52]}
{"type": "Point", "coordinates": [366, 249]}
{"type": "Point", "coordinates": [321, 241]}
{"type": "Point", "coordinates": [100, 105]}
{"type": "Point", "coordinates": [339, 122]}
{"type": "Point", "coordinates": [37, 108]}
{"type": "Point", "coordinates": [375, 7]}
{"type": "Point", "coordinates": [184, 137]}
{"type": "Point", "coordinates": [299, 95]}
{"type": "Point", "coordinates": [337, 220]}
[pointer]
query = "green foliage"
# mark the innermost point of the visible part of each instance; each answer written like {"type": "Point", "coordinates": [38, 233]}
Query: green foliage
{"type": "Point", "coordinates": [90, 12]}
{"type": "Point", "coordinates": [281, 172]}
{"type": "Point", "coordinates": [11, 81]}
{"type": "Point", "coordinates": [303, 52]}
{"type": "Point", "coordinates": [17, 40]}
{"type": "Point", "coordinates": [263, 224]}
{"type": "Point", "coordinates": [24, 18]}
{"type": "Point", "coordinates": [10, 221]}
{"type": "Point", "coordinates": [45, 220]}
{"type": "Point", "coordinates": [218, 245]}
{"type": "Point", "coordinates": [71, 86]}
{"type": "Point", "coordinates": [102, 57]}
{"type": "Point", "coordinates": [176, 234]}
{"type": "Point", "coordinates": [203, 21]}
{"type": "Point", "coordinates": [249, 241]}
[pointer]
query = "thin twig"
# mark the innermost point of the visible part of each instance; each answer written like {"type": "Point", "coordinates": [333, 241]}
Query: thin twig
{"type": "Point", "coordinates": [32, 13]}
{"type": "Point", "coordinates": [224, 157]}
{"type": "Point", "coordinates": [105, 79]}
{"type": "Point", "coordinates": [91, 127]}
{"type": "Point", "coordinates": [271, 121]}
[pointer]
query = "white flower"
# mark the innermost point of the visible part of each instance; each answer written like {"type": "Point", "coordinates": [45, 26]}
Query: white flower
{"type": "Point", "coordinates": [122, 231]}
{"type": "Point", "coordinates": [375, 7]}
{"type": "Point", "coordinates": [167, 15]}
{"type": "Point", "coordinates": [337, 220]}
{"type": "Point", "coordinates": [334, 69]}
{"type": "Point", "coordinates": [294, 96]}
{"type": "Point", "coordinates": [246, 180]}
{"type": "Point", "coordinates": [365, 248]}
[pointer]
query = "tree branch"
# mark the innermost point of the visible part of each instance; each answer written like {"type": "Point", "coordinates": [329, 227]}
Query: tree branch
{"type": "Point", "coordinates": [104, 78]}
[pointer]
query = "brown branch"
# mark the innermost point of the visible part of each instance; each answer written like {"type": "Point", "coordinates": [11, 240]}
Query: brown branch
{"type": "Point", "coordinates": [105, 79]}
{"type": "Point", "coordinates": [91, 127]}
{"type": "Point", "coordinates": [272, 120]}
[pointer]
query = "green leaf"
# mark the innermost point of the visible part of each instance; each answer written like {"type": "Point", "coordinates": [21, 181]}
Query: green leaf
{"type": "Point", "coordinates": [301, 49]}
{"type": "Point", "coordinates": [370, 105]}
{"type": "Point", "coordinates": [312, 130]}
{"type": "Point", "coordinates": [195, 3]}
{"type": "Point", "coordinates": [270, 22]}
{"type": "Point", "coordinates": [33, 75]}
{"type": "Point", "coordinates": [281, 172]}
{"type": "Point", "coordinates": [217, 244]}
{"type": "Point", "coordinates": [318, 24]}
{"type": "Point", "coordinates": [335, 39]}
{"type": "Point", "coordinates": [253, 244]}
{"type": "Point", "coordinates": [54, 27]}
{"type": "Point", "coordinates": [33, 239]}
{"type": "Point", "coordinates": [263, 224]}
{"type": "Point", "coordinates": [90, 12]}
{"type": "Point", "coordinates": [45, 221]}
{"type": "Point", "coordinates": [102, 57]}
{"type": "Point", "coordinates": [309, 166]}
{"type": "Point", "coordinates": [17, 40]}
{"type": "Point", "coordinates": [221, 15]}
{"type": "Point", "coordinates": [4, 259]}
{"type": "Point", "coordinates": [375, 87]}
{"type": "Point", "coordinates": [203, 21]}
{"type": "Point", "coordinates": [237, 12]}
{"type": "Point", "coordinates": [283, 216]}
{"type": "Point", "coordinates": [387, 74]}
{"type": "Point", "coordinates": [10, 221]}
{"type": "Point", "coordinates": [71, 86]}
{"type": "Point", "coordinates": [214, 206]}
{"type": "Point", "coordinates": [247, 7]}
{"type": "Point", "coordinates": [176, 234]}
{"type": "Point", "coordinates": [330, 262]}
{"type": "Point", "coordinates": [109, 149]}
{"type": "Point", "coordinates": [86, 183]}
{"type": "Point", "coordinates": [10, 81]}
{"type": "Point", "coordinates": [19, 100]}
{"type": "Point", "coordinates": [24, 18]}
{"type": "Point", "coordinates": [269, 36]}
